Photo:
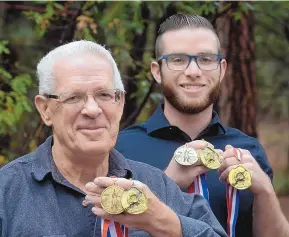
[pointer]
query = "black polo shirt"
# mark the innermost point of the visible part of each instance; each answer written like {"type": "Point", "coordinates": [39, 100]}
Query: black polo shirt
{"type": "Point", "coordinates": [155, 140]}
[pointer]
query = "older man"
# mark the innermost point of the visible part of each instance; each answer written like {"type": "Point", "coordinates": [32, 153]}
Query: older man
{"type": "Point", "coordinates": [50, 191]}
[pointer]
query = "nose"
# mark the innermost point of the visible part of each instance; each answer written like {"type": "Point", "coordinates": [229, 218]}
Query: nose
{"type": "Point", "coordinates": [91, 108]}
{"type": "Point", "coordinates": [193, 70]}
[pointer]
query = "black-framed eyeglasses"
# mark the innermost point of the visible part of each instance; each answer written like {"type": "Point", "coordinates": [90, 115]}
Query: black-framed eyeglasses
{"type": "Point", "coordinates": [102, 97]}
{"type": "Point", "coordinates": [179, 62]}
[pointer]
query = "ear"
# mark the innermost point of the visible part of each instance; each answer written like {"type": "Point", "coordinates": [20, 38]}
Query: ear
{"type": "Point", "coordinates": [156, 71]}
{"type": "Point", "coordinates": [43, 109]}
{"type": "Point", "coordinates": [223, 66]}
{"type": "Point", "coordinates": [122, 100]}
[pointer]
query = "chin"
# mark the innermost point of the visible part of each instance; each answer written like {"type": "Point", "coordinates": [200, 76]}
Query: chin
{"type": "Point", "coordinates": [103, 146]}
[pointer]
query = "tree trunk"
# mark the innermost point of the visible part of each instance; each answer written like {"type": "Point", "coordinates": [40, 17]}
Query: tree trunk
{"type": "Point", "coordinates": [237, 102]}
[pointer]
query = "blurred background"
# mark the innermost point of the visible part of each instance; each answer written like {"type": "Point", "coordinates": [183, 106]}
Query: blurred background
{"type": "Point", "coordinates": [255, 41]}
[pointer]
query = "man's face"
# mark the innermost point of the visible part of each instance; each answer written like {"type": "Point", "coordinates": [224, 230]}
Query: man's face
{"type": "Point", "coordinates": [91, 128]}
{"type": "Point", "coordinates": [192, 90]}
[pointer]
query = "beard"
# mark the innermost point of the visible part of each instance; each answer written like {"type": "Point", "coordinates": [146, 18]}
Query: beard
{"type": "Point", "coordinates": [186, 106]}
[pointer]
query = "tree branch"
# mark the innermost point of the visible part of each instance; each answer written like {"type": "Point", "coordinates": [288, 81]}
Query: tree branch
{"type": "Point", "coordinates": [131, 119]}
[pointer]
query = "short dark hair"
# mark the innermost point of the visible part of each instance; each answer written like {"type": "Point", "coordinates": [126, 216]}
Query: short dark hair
{"type": "Point", "coordinates": [179, 21]}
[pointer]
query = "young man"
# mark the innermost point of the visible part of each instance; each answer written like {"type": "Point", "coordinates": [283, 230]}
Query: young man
{"type": "Point", "coordinates": [190, 68]}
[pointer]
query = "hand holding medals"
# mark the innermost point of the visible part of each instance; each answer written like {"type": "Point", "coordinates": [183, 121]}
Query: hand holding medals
{"type": "Point", "coordinates": [115, 200]}
{"type": "Point", "coordinates": [129, 203]}
{"type": "Point", "coordinates": [242, 171]}
{"type": "Point", "coordinates": [193, 154]}
{"type": "Point", "coordinates": [116, 196]}
{"type": "Point", "coordinates": [207, 156]}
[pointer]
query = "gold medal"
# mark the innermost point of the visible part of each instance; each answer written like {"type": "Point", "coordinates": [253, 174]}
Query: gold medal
{"type": "Point", "coordinates": [110, 199]}
{"type": "Point", "coordinates": [185, 155]}
{"type": "Point", "coordinates": [210, 158]}
{"type": "Point", "coordinates": [240, 177]}
{"type": "Point", "coordinates": [134, 201]}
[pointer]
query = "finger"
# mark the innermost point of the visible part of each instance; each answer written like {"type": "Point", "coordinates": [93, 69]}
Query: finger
{"type": "Point", "coordinates": [244, 151]}
{"type": "Point", "coordinates": [225, 174]}
{"type": "Point", "coordinates": [238, 154]}
{"type": "Point", "coordinates": [104, 182]}
{"type": "Point", "coordinates": [228, 147]}
{"type": "Point", "coordinates": [228, 162]}
{"type": "Point", "coordinates": [200, 144]}
{"type": "Point", "coordinates": [125, 183]}
{"type": "Point", "coordinates": [92, 188]}
{"type": "Point", "coordinates": [229, 152]}
{"type": "Point", "coordinates": [98, 211]}
{"type": "Point", "coordinates": [93, 199]}
{"type": "Point", "coordinates": [140, 186]}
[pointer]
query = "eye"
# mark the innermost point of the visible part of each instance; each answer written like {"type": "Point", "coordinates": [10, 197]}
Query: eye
{"type": "Point", "coordinates": [177, 60]}
{"type": "Point", "coordinates": [206, 59]}
{"type": "Point", "coordinates": [71, 99]}
{"type": "Point", "coordinates": [104, 95]}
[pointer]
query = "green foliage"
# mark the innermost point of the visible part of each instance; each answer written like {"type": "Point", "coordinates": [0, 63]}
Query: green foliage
{"type": "Point", "coordinates": [3, 47]}
{"type": "Point", "coordinates": [44, 19]}
{"type": "Point", "coordinates": [13, 102]}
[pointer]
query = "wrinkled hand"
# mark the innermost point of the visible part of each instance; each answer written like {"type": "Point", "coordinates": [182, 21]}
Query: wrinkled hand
{"type": "Point", "coordinates": [148, 221]}
{"type": "Point", "coordinates": [185, 175]}
{"type": "Point", "coordinates": [260, 181]}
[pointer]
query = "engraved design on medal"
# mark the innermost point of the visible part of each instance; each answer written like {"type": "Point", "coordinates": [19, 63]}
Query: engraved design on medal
{"type": "Point", "coordinates": [111, 199]}
{"type": "Point", "coordinates": [210, 158]}
{"type": "Point", "coordinates": [240, 177]}
{"type": "Point", "coordinates": [185, 155]}
{"type": "Point", "coordinates": [134, 201]}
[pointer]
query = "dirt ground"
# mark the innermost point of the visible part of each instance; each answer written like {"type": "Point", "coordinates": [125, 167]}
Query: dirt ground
{"type": "Point", "coordinates": [275, 139]}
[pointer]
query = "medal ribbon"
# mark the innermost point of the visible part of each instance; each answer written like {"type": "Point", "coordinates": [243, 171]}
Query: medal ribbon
{"type": "Point", "coordinates": [232, 197]}
{"type": "Point", "coordinates": [113, 229]}
{"type": "Point", "coordinates": [200, 186]}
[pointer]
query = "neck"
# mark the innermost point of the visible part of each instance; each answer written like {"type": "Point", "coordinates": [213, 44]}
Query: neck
{"type": "Point", "coordinates": [191, 124]}
{"type": "Point", "coordinates": [81, 169]}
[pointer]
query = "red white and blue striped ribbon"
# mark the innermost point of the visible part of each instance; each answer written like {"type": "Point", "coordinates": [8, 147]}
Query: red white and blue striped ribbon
{"type": "Point", "coordinates": [200, 186]}
{"type": "Point", "coordinates": [113, 229]}
{"type": "Point", "coordinates": [232, 197]}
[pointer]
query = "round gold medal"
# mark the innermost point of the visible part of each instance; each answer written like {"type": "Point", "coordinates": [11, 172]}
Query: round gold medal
{"type": "Point", "coordinates": [210, 158]}
{"type": "Point", "coordinates": [240, 177]}
{"type": "Point", "coordinates": [185, 155]}
{"type": "Point", "coordinates": [110, 199]}
{"type": "Point", "coordinates": [134, 201]}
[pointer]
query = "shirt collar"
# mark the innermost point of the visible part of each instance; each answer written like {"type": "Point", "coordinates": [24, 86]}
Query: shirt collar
{"type": "Point", "coordinates": [43, 164]}
{"type": "Point", "coordinates": [158, 121]}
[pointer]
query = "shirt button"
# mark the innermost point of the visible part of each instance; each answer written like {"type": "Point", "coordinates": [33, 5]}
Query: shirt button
{"type": "Point", "coordinates": [85, 203]}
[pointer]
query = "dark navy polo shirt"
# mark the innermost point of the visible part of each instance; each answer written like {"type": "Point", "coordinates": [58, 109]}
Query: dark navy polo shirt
{"type": "Point", "coordinates": [155, 140]}
{"type": "Point", "coordinates": [37, 201]}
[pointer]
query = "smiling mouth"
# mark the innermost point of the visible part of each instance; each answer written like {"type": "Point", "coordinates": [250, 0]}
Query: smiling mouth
{"type": "Point", "coordinates": [91, 129]}
{"type": "Point", "coordinates": [189, 87]}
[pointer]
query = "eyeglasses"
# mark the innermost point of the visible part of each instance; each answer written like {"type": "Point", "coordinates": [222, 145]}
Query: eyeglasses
{"type": "Point", "coordinates": [102, 97]}
{"type": "Point", "coordinates": [179, 62]}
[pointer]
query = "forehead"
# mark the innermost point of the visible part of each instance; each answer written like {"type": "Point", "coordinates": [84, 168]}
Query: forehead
{"type": "Point", "coordinates": [190, 41]}
{"type": "Point", "coordinates": [82, 71]}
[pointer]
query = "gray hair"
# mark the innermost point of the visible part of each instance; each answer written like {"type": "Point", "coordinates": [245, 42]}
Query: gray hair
{"type": "Point", "coordinates": [45, 65]}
